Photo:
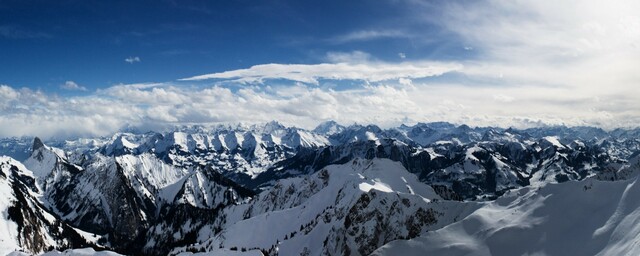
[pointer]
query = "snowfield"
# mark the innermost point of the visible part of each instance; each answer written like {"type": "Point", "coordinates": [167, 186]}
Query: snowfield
{"type": "Point", "coordinates": [589, 217]}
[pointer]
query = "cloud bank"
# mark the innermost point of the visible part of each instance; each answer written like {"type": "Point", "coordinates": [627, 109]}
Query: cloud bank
{"type": "Point", "coordinates": [533, 63]}
{"type": "Point", "coordinates": [158, 106]}
{"type": "Point", "coordinates": [586, 50]}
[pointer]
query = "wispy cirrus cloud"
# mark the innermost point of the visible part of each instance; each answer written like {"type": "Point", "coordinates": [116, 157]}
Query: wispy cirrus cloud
{"type": "Point", "coordinates": [358, 68]}
{"type": "Point", "coordinates": [367, 35]}
{"type": "Point", "coordinates": [552, 57]}
{"type": "Point", "coordinates": [592, 47]}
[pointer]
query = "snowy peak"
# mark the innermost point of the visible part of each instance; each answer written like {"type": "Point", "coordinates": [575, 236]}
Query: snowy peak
{"type": "Point", "coordinates": [329, 128]}
{"type": "Point", "coordinates": [119, 145]}
{"type": "Point", "coordinates": [10, 167]}
{"type": "Point", "coordinates": [353, 207]}
{"type": "Point", "coordinates": [48, 162]}
{"type": "Point", "coordinates": [331, 191]}
{"type": "Point", "coordinates": [552, 141]}
{"type": "Point", "coordinates": [356, 133]}
{"type": "Point", "coordinates": [26, 226]}
{"type": "Point", "coordinates": [273, 127]}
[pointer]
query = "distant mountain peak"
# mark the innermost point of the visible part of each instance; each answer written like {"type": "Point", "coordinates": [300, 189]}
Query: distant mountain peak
{"type": "Point", "coordinates": [37, 144]}
{"type": "Point", "coordinates": [328, 128]}
{"type": "Point", "coordinates": [272, 127]}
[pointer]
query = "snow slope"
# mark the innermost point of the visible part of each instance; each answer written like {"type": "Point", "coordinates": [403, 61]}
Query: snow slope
{"type": "Point", "coordinates": [24, 225]}
{"type": "Point", "coordinates": [354, 207]}
{"type": "Point", "coordinates": [335, 190]}
{"type": "Point", "coordinates": [81, 252]}
{"type": "Point", "coordinates": [589, 217]}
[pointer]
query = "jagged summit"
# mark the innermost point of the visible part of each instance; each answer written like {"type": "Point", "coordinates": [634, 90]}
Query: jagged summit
{"type": "Point", "coordinates": [330, 190]}
{"type": "Point", "coordinates": [329, 128]}
{"type": "Point", "coordinates": [272, 127]}
{"type": "Point", "coordinates": [37, 144]}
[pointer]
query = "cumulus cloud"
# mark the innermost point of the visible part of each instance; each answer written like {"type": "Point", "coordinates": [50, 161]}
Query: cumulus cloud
{"type": "Point", "coordinates": [132, 60]}
{"type": "Point", "coordinates": [161, 105]}
{"type": "Point", "coordinates": [405, 81]}
{"type": "Point", "coordinates": [310, 73]}
{"type": "Point", "coordinates": [72, 86]}
{"type": "Point", "coordinates": [534, 62]}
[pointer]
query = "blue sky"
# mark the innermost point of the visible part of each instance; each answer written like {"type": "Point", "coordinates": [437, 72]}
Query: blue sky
{"type": "Point", "coordinates": [92, 68]}
{"type": "Point", "coordinates": [46, 43]}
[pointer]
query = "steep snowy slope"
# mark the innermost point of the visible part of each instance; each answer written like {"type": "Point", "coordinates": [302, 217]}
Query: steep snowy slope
{"type": "Point", "coordinates": [351, 208]}
{"type": "Point", "coordinates": [476, 170]}
{"type": "Point", "coordinates": [589, 217]}
{"type": "Point", "coordinates": [334, 190]}
{"type": "Point", "coordinates": [249, 154]}
{"type": "Point", "coordinates": [25, 226]}
{"type": "Point", "coordinates": [197, 201]}
{"type": "Point", "coordinates": [121, 197]}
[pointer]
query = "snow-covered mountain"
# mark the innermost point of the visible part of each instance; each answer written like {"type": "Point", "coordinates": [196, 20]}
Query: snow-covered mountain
{"type": "Point", "coordinates": [271, 189]}
{"type": "Point", "coordinates": [352, 208]}
{"type": "Point", "coordinates": [26, 224]}
{"type": "Point", "coordinates": [588, 217]}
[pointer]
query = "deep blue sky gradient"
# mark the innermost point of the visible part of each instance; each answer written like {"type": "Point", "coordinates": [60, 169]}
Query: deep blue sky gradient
{"type": "Point", "coordinates": [45, 43]}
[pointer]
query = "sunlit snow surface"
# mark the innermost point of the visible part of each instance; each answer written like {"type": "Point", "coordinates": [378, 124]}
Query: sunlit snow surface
{"type": "Point", "coordinates": [321, 201]}
{"type": "Point", "coordinates": [589, 217]}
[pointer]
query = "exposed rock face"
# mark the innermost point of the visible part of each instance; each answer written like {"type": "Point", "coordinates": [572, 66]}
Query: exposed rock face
{"type": "Point", "coordinates": [335, 190]}
{"type": "Point", "coordinates": [37, 144]}
{"type": "Point", "coordinates": [36, 230]}
{"type": "Point", "coordinates": [123, 197]}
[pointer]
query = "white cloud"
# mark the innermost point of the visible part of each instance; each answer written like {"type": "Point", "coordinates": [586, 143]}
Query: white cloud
{"type": "Point", "coordinates": [348, 57]}
{"type": "Point", "coordinates": [503, 98]}
{"type": "Point", "coordinates": [535, 62]}
{"type": "Point", "coordinates": [73, 86]}
{"type": "Point", "coordinates": [367, 35]}
{"type": "Point", "coordinates": [132, 60]}
{"type": "Point", "coordinates": [402, 55]}
{"type": "Point", "coordinates": [158, 106]}
{"type": "Point", "coordinates": [405, 81]}
{"type": "Point", "coordinates": [552, 57]}
{"type": "Point", "coordinates": [586, 45]}
{"type": "Point", "coordinates": [310, 73]}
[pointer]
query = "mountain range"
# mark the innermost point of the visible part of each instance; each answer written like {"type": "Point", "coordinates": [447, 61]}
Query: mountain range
{"type": "Point", "coordinates": [335, 190]}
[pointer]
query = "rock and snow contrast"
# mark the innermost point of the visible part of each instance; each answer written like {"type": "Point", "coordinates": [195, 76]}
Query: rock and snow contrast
{"type": "Point", "coordinates": [430, 188]}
